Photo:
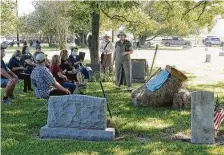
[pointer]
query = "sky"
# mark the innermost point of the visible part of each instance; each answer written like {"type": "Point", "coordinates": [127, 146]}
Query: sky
{"type": "Point", "coordinates": [26, 7]}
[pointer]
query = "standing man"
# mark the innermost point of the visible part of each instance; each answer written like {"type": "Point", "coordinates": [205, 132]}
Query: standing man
{"type": "Point", "coordinates": [123, 49]}
{"type": "Point", "coordinates": [8, 80]}
{"type": "Point", "coordinates": [106, 50]}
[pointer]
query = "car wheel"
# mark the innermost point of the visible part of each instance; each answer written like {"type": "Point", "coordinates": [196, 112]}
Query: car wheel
{"type": "Point", "coordinates": [208, 44]}
{"type": "Point", "coordinates": [167, 44]}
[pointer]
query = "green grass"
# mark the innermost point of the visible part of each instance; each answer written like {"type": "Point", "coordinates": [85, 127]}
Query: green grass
{"type": "Point", "coordinates": [143, 130]}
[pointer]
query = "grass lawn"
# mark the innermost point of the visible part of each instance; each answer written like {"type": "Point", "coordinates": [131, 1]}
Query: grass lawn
{"type": "Point", "coordinates": [143, 131]}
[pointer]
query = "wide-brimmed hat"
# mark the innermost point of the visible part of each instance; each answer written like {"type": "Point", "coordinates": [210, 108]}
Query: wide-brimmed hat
{"type": "Point", "coordinates": [121, 33]}
{"type": "Point", "coordinates": [106, 35]}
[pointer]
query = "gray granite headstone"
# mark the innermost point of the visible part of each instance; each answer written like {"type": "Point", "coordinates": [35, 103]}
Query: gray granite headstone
{"type": "Point", "coordinates": [77, 117]}
{"type": "Point", "coordinates": [221, 53]}
{"type": "Point", "coordinates": [202, 117]}
{"type": "Point", "coordinates": [208, 58]}
{"type": "Point", "coordinates": [138, 70]}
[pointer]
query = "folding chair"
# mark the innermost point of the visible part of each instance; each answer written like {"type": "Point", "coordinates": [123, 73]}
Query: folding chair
{"type": "Point", "coordinates": [43, 100]}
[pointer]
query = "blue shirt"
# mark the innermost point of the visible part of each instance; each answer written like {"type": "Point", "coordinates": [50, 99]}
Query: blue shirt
{"type": "Point", "coordinates": [74, 60]}
{"type": "Point", "coordinates": [13, 62]}
{"type": "Point", "coordinates": [4, 67]}
{"type": "Point", "coordinates": [42, 79]}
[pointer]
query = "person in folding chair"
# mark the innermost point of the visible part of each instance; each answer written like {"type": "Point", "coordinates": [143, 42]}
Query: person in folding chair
{"type": "Point", "coordinates": [70, 71]}
{"type": "Point", "coordinates": [59, 76]}
{"type": "Point", "coordinates": [17, 68]}
{"type": "Point", "coordinates": [77, 62]}
{"type": "Point", "coordinates": [44, 82]}
{"type": "Point", "coordinates": [8, 80]}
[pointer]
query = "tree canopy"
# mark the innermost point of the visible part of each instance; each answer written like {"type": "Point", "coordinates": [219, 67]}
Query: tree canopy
{"type": "Point", "coordinates": [9, 19]}
{"type": "Point", "coordinates": [141, 18]}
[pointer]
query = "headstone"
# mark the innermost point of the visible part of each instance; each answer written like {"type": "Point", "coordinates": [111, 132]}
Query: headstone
{"type": "Point", "coordinates": [138, 70]}
{"type": "Point", "coordinates": [77, 117]}
{"type": "Point", "coordinates": [208, 58]}
{"type": "Point", "coordinates": [202, 117]}
{"type": "Point", "coordinates": [221, 53]}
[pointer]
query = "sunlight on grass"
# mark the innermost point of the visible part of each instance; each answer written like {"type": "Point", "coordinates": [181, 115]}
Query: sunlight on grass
{"type": "Point", "coordinates": [9, 142]}
{"type": "Point", "coordinates": [216, 150]}
{"type": "Point", "coordinates": [153, 123]}
{"type": "Point", "coordinates": [82, 153]}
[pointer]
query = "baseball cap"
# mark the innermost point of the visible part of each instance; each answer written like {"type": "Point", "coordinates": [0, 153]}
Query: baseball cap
{"type": "Point", "coordinates": [40, 57]}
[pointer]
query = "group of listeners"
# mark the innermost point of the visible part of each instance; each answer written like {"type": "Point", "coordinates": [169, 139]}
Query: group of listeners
{"type": "Point", "coordinates": [62, 76]}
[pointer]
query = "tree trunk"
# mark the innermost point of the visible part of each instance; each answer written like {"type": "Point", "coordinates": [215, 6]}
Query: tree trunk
{"type": "Point", "coordinates": [112, 36]}
{"type": "Point", "coordinates": [93, 40]}
{"type": "Point", "coordinates": [142, 40]}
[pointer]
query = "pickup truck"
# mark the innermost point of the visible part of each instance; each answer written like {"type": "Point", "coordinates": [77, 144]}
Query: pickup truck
{"type": "Point", "coordinates": [175, 41]}
{"type": "Point", "coordinates": [209, 41]}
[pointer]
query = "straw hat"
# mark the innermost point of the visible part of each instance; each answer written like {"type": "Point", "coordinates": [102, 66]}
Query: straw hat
{"type": "Point", "coordinates": [106, 35]}
{"type": "Point", "coordinates": [121, 33]}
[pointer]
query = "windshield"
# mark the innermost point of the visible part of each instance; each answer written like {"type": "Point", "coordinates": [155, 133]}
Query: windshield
{"type": "Point", "coordinates": [215, 39]}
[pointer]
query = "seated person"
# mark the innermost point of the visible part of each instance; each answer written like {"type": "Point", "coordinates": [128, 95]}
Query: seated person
{"type": "Point", "coordinates": [77, 62]}
{"type": "Point", "coordinates": [38, 50]}
{"type": "Point", "coordinates": [69, 70]}
{"type": "Point", "coordinates": [16, 67]}
{"type": "Point", "coordinates": [27, 60]}
{"type": "Point", "coordinates": [8, 80]}
{"type": "Point", "coordinates": [43, 80]}
{"type": "Point", "coordinates": [57, 73]}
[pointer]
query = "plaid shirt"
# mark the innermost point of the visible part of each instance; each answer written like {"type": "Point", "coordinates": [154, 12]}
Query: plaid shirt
{"type": "Point", "coordinates": [42, 79]}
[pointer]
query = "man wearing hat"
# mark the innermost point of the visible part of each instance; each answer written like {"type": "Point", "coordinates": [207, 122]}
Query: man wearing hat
{"type": "Point", "coordinates": [123, 49]}
{"type": "Point", "coordinates": [43, 80]}
{"type": "Point", "coordinates": [106, 49]}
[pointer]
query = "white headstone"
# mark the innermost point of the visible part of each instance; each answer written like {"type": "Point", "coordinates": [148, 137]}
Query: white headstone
{"type": "Point", "coordinates": [202, 117]}
{"type": "Point", "coordinates": [208, 58]}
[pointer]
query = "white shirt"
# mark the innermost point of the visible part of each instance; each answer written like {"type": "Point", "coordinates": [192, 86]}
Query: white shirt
{"type": "Point", "coordinates": [109, 49]}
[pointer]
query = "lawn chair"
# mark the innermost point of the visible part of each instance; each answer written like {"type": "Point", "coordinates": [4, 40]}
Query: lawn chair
{"type": "Point", "coordinates": [43, 100]}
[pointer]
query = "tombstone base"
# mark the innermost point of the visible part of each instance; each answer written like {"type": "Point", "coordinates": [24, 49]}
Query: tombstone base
{"type": "Point", "coordinates": [138, 80]}
{"type": "Point", "coordinates": [77, 134]}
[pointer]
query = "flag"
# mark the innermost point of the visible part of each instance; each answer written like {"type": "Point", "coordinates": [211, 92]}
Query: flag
{"type": "Point", "coordinates": [218, 119]}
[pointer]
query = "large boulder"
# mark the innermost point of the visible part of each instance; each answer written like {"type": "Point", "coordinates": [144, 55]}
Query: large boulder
{"type": "Point", "coordinates": [161, 97]}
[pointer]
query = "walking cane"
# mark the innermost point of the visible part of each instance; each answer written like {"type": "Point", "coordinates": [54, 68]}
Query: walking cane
{"type": "Point", "coordinates": [111, 122]}
{"type": "Point", "coordinates": [153, 60]}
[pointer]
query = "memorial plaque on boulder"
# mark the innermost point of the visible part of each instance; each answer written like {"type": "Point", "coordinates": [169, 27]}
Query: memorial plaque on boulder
{"type": "Point", "coordinates": [77, 117]}
{"type": "Point", "coordinates": [202, 117]}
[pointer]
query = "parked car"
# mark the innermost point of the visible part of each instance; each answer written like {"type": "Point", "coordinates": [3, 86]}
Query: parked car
{"type": "Point", "coordinates": [149, 42]}
{"type": "Point", "coordinates": [213, 40]}
{"type": "Point", "coordinates": [175, 41]}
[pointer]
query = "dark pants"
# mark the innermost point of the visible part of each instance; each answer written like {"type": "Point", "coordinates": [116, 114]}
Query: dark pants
{"type": "Point", "coordinates": [71, 86]}
{"type": "Point", "coordinates": [27, 81]}
{"type": "Point", "coordinates": [57, 92]}
{"type": "Point", "coordinates": [85, 73]}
